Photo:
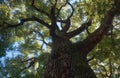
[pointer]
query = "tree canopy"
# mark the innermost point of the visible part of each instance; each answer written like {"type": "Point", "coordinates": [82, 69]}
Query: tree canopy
{"type": "Point", "coordinates": [27, 27]}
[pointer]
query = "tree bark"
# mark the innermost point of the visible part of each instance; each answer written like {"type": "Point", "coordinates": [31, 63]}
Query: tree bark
{"type": "Point", "coordinates": [67, 61]}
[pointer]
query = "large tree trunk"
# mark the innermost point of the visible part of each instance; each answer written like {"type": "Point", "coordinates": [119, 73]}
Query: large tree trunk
{"type": "Point", "coordinates": [79, 65]}
{"type": "Point", "coordinates": [67, 61]}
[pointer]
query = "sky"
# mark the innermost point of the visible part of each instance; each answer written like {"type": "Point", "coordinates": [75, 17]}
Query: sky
{"type": "Point", "coordinates": [11, 53]}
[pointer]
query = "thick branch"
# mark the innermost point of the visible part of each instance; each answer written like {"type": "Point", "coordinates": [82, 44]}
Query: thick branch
{"type": "Point", "coordinates": [78, 30]}
{"type": "Point", "coordinates": [91, 41]}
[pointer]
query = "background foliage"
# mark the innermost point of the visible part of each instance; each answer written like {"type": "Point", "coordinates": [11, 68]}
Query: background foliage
{"type": "Point", "coordinates": [32, 40]}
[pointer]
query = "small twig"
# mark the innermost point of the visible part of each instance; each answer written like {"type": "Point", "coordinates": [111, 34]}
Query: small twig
{"type": "Point", "coordinates": [32, 61]}
{"type": "Point", "coordinates": [70, 14]}
{"type": "Point", "coordinates": [91, 58]}
{"type": "Point", "coordinates": [43, 39]}
{"type": "Point", "coordinates": [60, 9]}
{"type": "Point", "coordinates": [104, 70]}
{"type": "Point", "coordinates": [38, 9]}
{"type": "Point", "coordinates": [22, 21]}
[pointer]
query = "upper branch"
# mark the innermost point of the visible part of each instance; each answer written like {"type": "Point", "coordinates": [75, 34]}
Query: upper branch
{"type": "Point", "coordinates": [22, 21]}
{"type": "Point", "coordinates": [79, 30]}
{"type": "Point", "coordinates": [67, 2]}
{"type": "Point", "coordinates": [91, 41]}
{"type": "Point", "coordinates": [72, 10]}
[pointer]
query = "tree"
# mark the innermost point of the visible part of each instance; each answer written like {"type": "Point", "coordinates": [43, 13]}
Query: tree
{"type": "Point", "coordinates": [69, 48]}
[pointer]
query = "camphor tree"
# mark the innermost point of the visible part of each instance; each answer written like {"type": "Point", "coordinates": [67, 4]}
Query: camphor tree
{"type": "Point", "coordinates": [72, 29]}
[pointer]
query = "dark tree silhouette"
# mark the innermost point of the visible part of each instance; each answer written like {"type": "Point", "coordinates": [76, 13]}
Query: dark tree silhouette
{"type": "Point", "coordinates": [67, 59]}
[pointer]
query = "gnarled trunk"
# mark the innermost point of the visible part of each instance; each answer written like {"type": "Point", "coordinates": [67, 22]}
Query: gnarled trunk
{"type": "Point", "coordinates": [67, 61]}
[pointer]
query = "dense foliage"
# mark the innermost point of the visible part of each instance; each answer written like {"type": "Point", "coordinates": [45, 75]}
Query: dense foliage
{"type": "Point", "coordinates": [29, 41]}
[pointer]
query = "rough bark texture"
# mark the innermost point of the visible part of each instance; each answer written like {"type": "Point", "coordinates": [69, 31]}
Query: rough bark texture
{"type": "Point", "coordinates": [67, 61]}
{"type": "Point", "coordinates": [58, 65]}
